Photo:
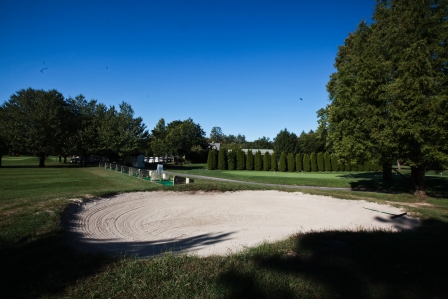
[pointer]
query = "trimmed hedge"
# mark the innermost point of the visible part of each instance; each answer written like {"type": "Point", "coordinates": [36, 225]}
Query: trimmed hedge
{"type": "Point", "coordinates": [306, 163]}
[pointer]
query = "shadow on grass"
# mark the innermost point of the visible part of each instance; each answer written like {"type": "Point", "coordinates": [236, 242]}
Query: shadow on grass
{"type": "Point", "coordinates": [435, 186]}
{"type": "Point", "coordinates": [361, 264]}
{"type": "Point", "coordinates": [44, 267]}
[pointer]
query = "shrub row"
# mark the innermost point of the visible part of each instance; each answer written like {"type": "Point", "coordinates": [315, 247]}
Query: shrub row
{"type": "Point", "coordinates": [238, 160]}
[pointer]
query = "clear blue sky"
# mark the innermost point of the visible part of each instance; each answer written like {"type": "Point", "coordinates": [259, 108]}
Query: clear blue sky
{"type": "Point", "coordinates": [239, 65]}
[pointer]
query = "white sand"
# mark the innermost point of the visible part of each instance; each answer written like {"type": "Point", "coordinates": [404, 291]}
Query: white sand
{"type": "Point", "coordinates": [148, 223]}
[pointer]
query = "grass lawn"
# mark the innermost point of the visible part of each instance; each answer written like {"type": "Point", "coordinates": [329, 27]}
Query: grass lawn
{"type": "Point", "coordinates": [436, 183]}
{"type": "Point", "coordinates": [36, 262]}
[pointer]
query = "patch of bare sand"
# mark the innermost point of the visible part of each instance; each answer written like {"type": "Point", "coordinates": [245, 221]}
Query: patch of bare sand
{"type": "Point", "coordinates": [149, 223]}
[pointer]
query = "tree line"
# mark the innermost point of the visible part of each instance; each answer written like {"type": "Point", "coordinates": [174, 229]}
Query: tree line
{"type": "Point", "coordinates": [44, 123]}
{"type": "Point", "coordinates": [237, 159]}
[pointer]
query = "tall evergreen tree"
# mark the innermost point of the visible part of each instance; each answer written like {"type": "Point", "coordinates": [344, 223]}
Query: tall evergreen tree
{"type": "Point", "coordinates": [299, 162]}
{"type": "Point", "coordinates": [249, 160]}
{"type": "Point", "coordinates": [240, 160]}
{"type": "Point", "coordinates": [274, 161]}
{"type": "Point", "coordinates": [282, 162]}
{"type": "Point", "coordinates": [313, 162]}
{"type": "Point", "coordinates": [327, 161]}
{"type": "Point", "coordinates": [210, 160]}
{"type": "Point", "coordinates": [222, 165]}
{"type": "Point", "coordinates": [334, 163]}
{"type": "Point", "coordinates": [306, 163]}
{"type": "Point", "coordinates": [215, 159]}
{"type": "Point", "coordinates": [231, 160]}
{"type": "Point", "coordinates": [286, 142]}
{"type": "Point", "coordinates": [291, 162]}
{"type": "Point", "coordinates": [258, 161]}
{"type": "Point", "coordinates": [266, 161]}
{"type": "Point", "coordinates": [320, 161]}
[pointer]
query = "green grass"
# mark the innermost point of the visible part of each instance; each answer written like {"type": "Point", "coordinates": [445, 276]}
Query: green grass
{"type": "Point", "coordinates": [37, 263]}
{"type": "Point", "coordinates": [436, 184]}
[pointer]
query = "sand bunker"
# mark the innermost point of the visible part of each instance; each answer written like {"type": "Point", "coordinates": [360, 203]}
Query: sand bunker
{"type": "Point", "coordinates": [148, 223]}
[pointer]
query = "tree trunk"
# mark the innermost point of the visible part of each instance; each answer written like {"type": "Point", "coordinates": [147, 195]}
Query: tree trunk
{"type": "Point", "coordinates": [418, 181]}
{"type": "Point", "coordinates": [387, 171]}
{"type": "Point", "coordinates": [42, 161]}
{"type": "Point", "coordinates": [65, 159]}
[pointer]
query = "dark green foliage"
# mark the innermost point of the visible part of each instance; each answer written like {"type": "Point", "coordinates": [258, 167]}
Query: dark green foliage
{"type": "Point", "coordinates": [353, 167]}
{"type": "Point", "coordinates": [231, 160]}
{"type": "Point", "coordinates": [286, 142]}
{"type": "Point", "coordinates": [291, 162]}
{"type": "Point", "coordinates": [210, 160]}
{"type": "Point", "coordinates": [306, 163]}
{"type": "Point", "coordinates": [215, 159]}
{"type": "Point", "coordinates": [263, 143]}
{"type": "Point", "coordinates": [240, 160]}
{"type": "Point", "coordinates": [222, 165]}
{"type": "Point", "coordinates": [389, 93]}
{"type": "Point", "coordinates": [327, 161]}
{"type": "Point", "coordinates": [313, 162]}
{"type": "Point", "coordinates": [299, 162]}
{"type": "Point", "coordinates": [360, 166]}
{"type": "Point", "coordinates": [267, 161]}
{"type": "Point", "coordinates": [334, 163]}
{"type": "Point", "coordinates": [274, 161]}
{"type": "Point", "coordinates": [282, 162]}
{"type": "Point", "coordinates": [249, 160]}
{"type": "Point", "coordinates": [347, 166]}
{"type": "Point", "coordinates": [310, 142]}
{"type": "Point", "coordinates": [320, 161]}
{"type": "Point", "coordinates": [258, 161]}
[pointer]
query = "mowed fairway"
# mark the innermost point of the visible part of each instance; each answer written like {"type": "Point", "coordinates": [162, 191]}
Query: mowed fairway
{"type": "Point", "coordinates": [37, 262]}
{"type": "Point", "coordinates": [371, 180]}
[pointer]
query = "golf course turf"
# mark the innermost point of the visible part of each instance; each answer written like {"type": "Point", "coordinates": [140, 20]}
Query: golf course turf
{"type": "Point", "coordinates": [37, 262]}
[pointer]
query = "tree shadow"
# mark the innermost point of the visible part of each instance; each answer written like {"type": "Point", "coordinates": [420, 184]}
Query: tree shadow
{"type": "Point", "coordinates": [363, 264]}
{"type": "Point", "coordinates": [373, 181]}
{"type": "Point", "coordinates": [46, 266]}
{"type": "Point", "coordinates": [145, 249]}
